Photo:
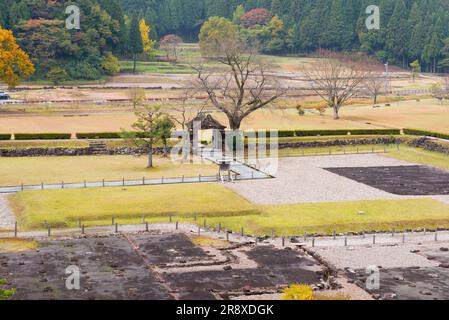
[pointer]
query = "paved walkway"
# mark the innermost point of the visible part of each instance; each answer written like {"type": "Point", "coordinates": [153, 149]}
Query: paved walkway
{"type": "Point", "coordinates": [244, 171]}
{"type": "Point", "coordinates": [7, 218]}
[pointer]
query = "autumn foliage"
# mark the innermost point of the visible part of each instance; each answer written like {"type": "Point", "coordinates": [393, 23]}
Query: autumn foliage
{"type": "Point", "coordinates": [15, 65]}
{"type": "Point", "coordinates": [258, 16]}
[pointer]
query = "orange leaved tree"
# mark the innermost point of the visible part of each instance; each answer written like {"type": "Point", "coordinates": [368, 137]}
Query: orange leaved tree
{"type": "Point", "coordinates": [15, 64]}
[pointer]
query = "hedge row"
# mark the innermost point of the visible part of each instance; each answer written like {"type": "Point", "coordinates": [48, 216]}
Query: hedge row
{"type": "Point", "coordinates": [341, 132]}
{"type": "Point", "coordinates": [417, 132]}
{"type": "Point", "coordinates": [5, 136]}
{"type": "Point", "coordinates": [109, 135]}
{"type": "Point", "coordinates": [42, 136]}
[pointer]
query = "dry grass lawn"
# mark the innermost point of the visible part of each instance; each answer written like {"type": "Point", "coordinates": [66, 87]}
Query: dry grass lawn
{"type": "Point", "coordinates": [15, 171]}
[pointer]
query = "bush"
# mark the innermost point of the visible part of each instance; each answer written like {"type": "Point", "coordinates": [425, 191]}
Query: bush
{"type": "Point", "coordinates": [5, 136]}
{"type": "Point", "coordinates": [42, 136]}
{"type": "Point", "coordinates": [417, 132]}
{"type": "Point", "coordinates": [344, 132]}
{"type": "Point", "coordinates": [111, 135]}
{"type": "Point", "coordinates": [298, 292]}
{"type": "Point", "coordinates": [286, 133]}
{"type": "Point", "coordinates": [313, 133]}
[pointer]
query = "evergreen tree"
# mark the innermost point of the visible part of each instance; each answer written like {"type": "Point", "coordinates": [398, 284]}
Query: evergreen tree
{"type": "Point", "coordinates": [135, 45]}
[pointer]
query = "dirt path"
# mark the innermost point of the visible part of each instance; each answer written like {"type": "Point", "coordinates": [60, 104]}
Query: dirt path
{"type": "Point", "coordinates": [7, 218]}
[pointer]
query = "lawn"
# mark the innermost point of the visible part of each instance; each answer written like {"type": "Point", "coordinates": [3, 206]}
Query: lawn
{"type": "Point", "coordinates": [420, 156]}
{"type": "Point", "coordinates": [63, 208]}
{"type": "Point", "coordinates": [16, 245]}
{"type": "Point", "coordinates": [36, 170]}
{"type": "Point", "coordinates": [155, 67]}
{"type": "Point", "coordinates": [295, 152]}
{"type": "Point", "coordinates": [217, 204]}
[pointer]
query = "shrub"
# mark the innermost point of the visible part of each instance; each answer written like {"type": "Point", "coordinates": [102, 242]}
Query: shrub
{"type": "Point", "coordinates": [417, 132]}
{"type": "Point", "coordinates": [5, 136]}
{"type": "Point", "coordinates": [375, 132]}
{"type": "Point", "coordinates": [300, 109]}
{"type": "Point", "coordinates": [286, 133]}
{"type": "Point", "coordinates": [111, 135]}
{"type": "Point", "coordinates": [313, 133]}
{"type": "Point", "coordinates": [298, 292]}
{"type": "Point", "coordinates": [42, 136]}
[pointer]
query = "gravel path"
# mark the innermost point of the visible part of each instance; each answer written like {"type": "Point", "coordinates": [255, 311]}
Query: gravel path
{"type": "Point", "coordinates": [384, 256]}
{"type": "Point", "coordinates": [7, 218]}
{"type": "Point", "coordinates": [303, 179]}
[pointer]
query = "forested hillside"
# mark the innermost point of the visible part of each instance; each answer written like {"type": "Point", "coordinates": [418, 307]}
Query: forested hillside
{"type": "Point", "coordinates": [39, 26]}
{"type": "Point", "coordinates": [410, 29]}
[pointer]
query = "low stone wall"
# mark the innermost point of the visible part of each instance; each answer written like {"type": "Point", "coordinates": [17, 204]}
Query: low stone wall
{"type": "Point", "coordinates": [341, 142]}
{"type": "Point", "coordinates": [429, 145]}
{"type": "Point", "coordinates": [48, 152]}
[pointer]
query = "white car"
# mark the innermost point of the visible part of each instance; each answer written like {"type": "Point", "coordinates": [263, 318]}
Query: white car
{"type": "Point", "coordinates": [4, 96]}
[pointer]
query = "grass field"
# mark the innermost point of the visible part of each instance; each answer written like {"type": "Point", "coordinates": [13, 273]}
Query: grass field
{"type": "Point", "coordinates": [217, 204]}
{"type": "Point", "coordinates": [16, 245]}
{"type": "Point", "coordinates": [420, 156]}
{"type": "Point", "coordinates": [97, 206]}
{"type": "Point", "coordinates": [35, 170]}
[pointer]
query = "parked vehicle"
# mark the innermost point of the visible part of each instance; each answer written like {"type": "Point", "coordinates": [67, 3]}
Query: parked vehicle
{"type": "Point", "coordinates": [4, 96]}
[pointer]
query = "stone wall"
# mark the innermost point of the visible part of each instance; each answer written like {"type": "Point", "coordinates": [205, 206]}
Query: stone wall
{"type": "Point", "coordinates": [46, 152]}
{"type": "Point", "coordinates": [341, 142]}
{"type": "Point", "coordinates": [429, 145]}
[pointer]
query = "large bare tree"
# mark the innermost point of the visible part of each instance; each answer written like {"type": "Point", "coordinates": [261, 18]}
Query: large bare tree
{"type": "Point", "coordinates": [336, 78]}
{"type": "Point", "coordinates": [241, 86]}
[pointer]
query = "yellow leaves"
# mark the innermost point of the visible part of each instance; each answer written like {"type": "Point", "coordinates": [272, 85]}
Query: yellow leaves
{"type": "Point", "coordinates": [147, 43]}
{"type": "Point", "coordinates": [15, 64]}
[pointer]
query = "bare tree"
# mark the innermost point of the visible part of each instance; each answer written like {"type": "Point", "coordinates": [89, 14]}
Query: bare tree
{"type": "Point", "coordinates": [185, 112]}
{"type": "Point", "coordinates": [242, 86]}
{"type": "Point", "coordinates": [335, 78]}
{"type": "Point", "coordinates": [137, 96]}
{"type": "Point", "coordinates": [375, 84]}
{"type": "Point", "coordinates": [170, 44]}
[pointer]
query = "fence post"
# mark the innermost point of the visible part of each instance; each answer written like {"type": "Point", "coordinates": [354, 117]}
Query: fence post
{"type": "Point", "coordinates": [182, 179]}
{"type": "Point", "coordinates": [403, 238]}
{"type": "Point", "coordinates": [123, 182]}
{"type": "Point", "coordinates": [194, 216]}
{"type": "Point", "coordinates": [374, 239]}
{"type": "Point", "coordinates": [162, 180]}
{"type": "Point", "coordinates": [79, 222]}
{"type": "Point", "coordinates": [143, 180]}
{"type": "Point", "coordinates": [227, 235]}
{"type": "Point", "coordinates": [177, 225]}
{"type": "Point", "coordinates": [49, 231]}
{"type": "Point", "coordinates": [170, 218]}
{"type": "Point", "coordinates": [42, 185]}
{"type": "Point", "coordinates": [219, 227]}
{"type": "Point", "coordinates": [22, 186]}
{"type": "Point", "coordinates": [85, 184]}
{"type": "Point", "coordinates": [15, 229]}
{"type": "Point", "coordinates": [199, 177]}
{"type": "Point", "coordinates": [283, 241]}
{"type": "Point", "coordinates": [242, 232]}
{"type": "Point", "coordinates": [113, 220]}
{"type": "Point", "coordinates": [334, 235]}
{"type": "Point", "coordinates": [82, 229]}
{"type": "Point", "coordinates": [199, 230]}
{"type": "Point", "coordinates": [62, 184]}
{"type": "Point", "coordinates": [436, 236]}
{"type": "Point", "coordinates": [346, 241]}
{"type": "Point", "coordinates": [116, 228]}
{"type": "Point", "coordinates": [146, 226]}
{"type": "Point", "coordinates": [313, 242]}
{"type": "Point", "coordinates": [204, 223]}
{"type": "Point", "coordinates": [103, 182]}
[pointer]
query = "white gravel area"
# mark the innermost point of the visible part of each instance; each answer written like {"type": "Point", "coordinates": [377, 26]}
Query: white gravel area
{"type": "Point", "coordinates": [383, 256]}
{"type": "Point", "coordinates": [303, 180]}
{"type": "Point", "coordinates": [7, 218]}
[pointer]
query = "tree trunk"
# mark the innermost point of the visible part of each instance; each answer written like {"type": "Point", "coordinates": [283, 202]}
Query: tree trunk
{"type": "Point", "coordinates": [375, 99]}
{"type": "Point", "coordinates": [150, 153]}
{"type": "Point", "coordinates": [336, 115]}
